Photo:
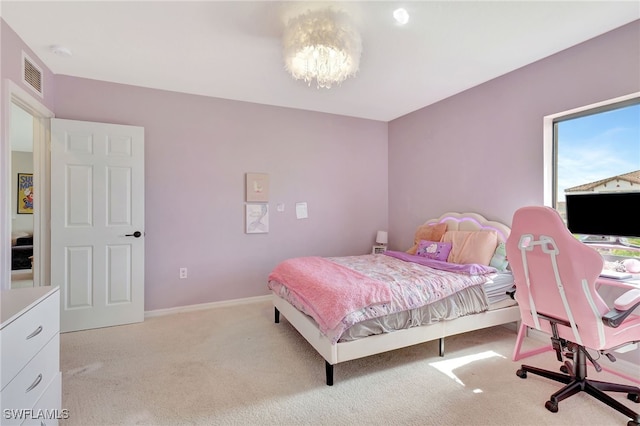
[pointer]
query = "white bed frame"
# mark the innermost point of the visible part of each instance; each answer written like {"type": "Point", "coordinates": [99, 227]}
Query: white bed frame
{"type": "Point", "coordinates": [346, 351]}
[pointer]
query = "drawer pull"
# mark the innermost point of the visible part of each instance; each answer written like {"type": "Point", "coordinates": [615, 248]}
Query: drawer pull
{"type": "Point", "coordinates": [35, 383]}
{"type": "Point", "coordinates": [35, 333]}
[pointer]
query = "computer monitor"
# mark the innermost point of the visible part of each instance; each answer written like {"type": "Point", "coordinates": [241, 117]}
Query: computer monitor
{"type": "Point", "coordinates": [607, 213]}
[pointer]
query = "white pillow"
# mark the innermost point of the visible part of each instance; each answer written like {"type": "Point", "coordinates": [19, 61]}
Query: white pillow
{"type": "Point", "coordinates": [18, 234]}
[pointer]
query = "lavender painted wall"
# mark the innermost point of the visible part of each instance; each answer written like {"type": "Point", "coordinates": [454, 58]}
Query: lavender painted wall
{"type": "Point", "coordinates": [12, 47]}
{"type": "Point", "coordinates": [197, 151]}
{"type": "Point", "coordinates": [482, 150]}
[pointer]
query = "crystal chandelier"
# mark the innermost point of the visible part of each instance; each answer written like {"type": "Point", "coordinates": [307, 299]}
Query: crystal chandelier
{"type": "Point", "coordinates": [322, 46]}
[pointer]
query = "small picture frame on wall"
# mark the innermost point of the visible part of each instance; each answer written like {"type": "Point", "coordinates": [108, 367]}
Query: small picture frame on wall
{"type": "Point", "coordinates": [257, 187]}
{"type": "Point", "coordinates": [257, 218]}
{"type": "Point", "coordinates": [25, 193]}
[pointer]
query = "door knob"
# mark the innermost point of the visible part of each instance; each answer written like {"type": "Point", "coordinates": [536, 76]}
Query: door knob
{"type": "Point", "coordinates": [136, 234]}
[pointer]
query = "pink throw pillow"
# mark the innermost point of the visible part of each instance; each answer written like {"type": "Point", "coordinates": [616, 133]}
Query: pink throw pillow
{"type": "Point", "coordinates": [434, 250]}
{"type": "Point", "coordinates": [471, 246]}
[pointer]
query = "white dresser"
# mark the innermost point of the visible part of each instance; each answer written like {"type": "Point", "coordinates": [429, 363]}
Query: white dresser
{"type": "Point", "coordinates": [30, 376]}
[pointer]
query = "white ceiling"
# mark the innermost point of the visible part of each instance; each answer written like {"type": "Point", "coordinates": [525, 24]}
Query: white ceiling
{"type": "Point", "coordinates": [232, 49]}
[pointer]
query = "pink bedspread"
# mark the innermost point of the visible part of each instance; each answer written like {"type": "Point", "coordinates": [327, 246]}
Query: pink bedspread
{"type": "Point", "coordinates": [350, 290]}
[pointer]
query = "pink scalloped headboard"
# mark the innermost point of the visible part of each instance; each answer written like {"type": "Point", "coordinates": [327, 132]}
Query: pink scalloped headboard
{"type": "Point", "coordinates": [472, 222]}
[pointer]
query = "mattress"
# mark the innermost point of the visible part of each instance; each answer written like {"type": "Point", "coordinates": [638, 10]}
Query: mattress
{"type": "Point", "coordinates": [496, 289]}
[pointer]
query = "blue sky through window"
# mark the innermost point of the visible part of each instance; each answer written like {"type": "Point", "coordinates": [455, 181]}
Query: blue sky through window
{"type": "Point", "coordinates": [598, 146]}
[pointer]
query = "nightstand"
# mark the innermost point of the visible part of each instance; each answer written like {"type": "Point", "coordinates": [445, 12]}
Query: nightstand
{"type": "Point", "coordinates": [378, 249]}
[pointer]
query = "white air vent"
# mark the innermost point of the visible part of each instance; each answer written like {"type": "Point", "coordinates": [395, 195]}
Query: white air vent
{"type": "Point", "coordinates": [32, 74]}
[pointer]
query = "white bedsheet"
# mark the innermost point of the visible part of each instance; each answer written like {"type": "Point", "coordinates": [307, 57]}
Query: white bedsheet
{"type": "Point", "coordinates": [496, 290]}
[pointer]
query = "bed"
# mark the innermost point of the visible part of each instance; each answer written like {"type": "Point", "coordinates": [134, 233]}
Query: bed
{"type": "Point", "coordinates": [454, 279]}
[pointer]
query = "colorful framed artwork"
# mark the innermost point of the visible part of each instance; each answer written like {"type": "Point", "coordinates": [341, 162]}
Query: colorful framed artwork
{"type": "Point", "coordinates": [257, 187]}
{"type": "Point", "coordinates": [25, 193]}
{"type": "Point", "coordinates": [257, 218]}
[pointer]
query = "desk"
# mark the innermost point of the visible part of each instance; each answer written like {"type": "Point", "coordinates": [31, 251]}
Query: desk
{"type": "Point", "coordinates": [630, 282]}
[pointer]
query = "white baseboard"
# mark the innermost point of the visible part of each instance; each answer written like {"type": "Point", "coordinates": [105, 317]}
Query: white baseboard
{"type": "Point", "coordinates": [201, 306]}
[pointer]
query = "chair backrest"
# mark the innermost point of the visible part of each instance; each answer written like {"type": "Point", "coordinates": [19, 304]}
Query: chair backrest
{"type": "Point", "coordinates": [555, 276]}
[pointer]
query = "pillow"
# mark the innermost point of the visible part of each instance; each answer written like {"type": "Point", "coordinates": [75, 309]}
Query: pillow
{"type": "Point", "coordinates": [499, 259]}
{"type": "Point", "coordinates": [18, 234]}
{"type": "Point", "coordinates": [434, 250]}
{"type": "Point", "coordinates": [428, 233]}
{"type": "Point", "coordinates": [471, 246]}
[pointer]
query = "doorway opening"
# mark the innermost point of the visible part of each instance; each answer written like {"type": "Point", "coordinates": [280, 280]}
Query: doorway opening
{"type": "Point", "coordinates": [32, 170]}
{"type": "Point", "coordinates": [22, 198]}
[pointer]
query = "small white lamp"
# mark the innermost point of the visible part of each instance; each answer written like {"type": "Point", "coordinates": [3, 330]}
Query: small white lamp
{"type": "Point", "coordinates": [381, 242]}
{"type": "Point", "coordinates": [381, 238]}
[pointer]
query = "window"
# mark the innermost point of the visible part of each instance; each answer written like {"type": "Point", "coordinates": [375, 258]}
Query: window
{"type": "Point", "coordinates": [595, 149]}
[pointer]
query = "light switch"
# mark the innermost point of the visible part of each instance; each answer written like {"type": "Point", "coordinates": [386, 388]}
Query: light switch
{"type": "Point", "coordinates": [301, 210]}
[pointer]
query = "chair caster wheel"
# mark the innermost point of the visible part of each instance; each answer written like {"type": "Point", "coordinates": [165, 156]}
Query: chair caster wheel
{"type": "Point", "coordinates": [521, 373]}
{"type": "Point", "coordinates": [551, 406]}
{"type": "Point", "coordinates": [632, 423]}
{"type": "Point", "coordinates": [633, 397]}
{"type": "Point", "coordinates": [564, 369]}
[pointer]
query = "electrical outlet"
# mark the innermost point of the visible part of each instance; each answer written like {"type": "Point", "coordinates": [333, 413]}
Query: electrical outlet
{"type": "Point", "coordinates": [183, 273]}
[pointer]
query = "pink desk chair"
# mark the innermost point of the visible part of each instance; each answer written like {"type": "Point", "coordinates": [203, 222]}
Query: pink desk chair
{"type": "Point", "coordinates": [555, 277]}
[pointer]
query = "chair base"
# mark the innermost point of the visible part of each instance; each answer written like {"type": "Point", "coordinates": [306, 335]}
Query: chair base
{"type": "Point", "coordinates": [578, 382]}
{"type": "Point", "coordinates": [518, 354]}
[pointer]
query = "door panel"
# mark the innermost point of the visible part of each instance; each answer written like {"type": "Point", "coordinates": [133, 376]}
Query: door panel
{"type": "Point", "coordinates": [97, 204]}
{"type": "Point", "coordinates": [78, 284]}
{"type": "Point", "coordinates": [119, 196]}
{"type": "Point", "coordinates": [119, 275]}
{"type": "Point", "coordinates": [79, 183]}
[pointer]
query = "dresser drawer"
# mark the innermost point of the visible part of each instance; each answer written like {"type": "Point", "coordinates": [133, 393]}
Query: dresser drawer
{"type": "Point", "coordinates": [27, 334]}
{"type": "Point", "coordinates": [47, 410]}
{"type": "Point", "coordinates": [30, 384]}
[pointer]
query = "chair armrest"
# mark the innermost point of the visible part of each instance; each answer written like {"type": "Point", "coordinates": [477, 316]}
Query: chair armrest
{"type": "Point", "coordinates": [622, 308]}
{"type": "Point", "coordinates": [627, 301]}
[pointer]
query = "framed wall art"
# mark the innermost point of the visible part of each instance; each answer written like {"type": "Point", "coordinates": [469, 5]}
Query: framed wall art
{"type": "Point", "coordinates": [25, 193]}
{"type": "Point", "coordinates": [257, 218]}
{"type": "Point", "coordinates": [257, 187]}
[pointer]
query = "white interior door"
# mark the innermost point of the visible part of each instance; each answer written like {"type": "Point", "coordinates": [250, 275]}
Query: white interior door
{"type": "Point", "coordinates": [97, 223]}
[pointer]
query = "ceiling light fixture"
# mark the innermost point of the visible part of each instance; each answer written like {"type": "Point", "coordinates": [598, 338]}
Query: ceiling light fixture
{"type": "Point", "coordinates": [61, 50]}
{"type": "Point", "coordinates": [401, 16]}
{"type": "Point", "coordinates": [322, 46]}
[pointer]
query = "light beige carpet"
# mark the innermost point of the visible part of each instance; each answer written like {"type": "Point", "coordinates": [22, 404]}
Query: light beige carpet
{"type": "Point", "coordinates": [235, 366]}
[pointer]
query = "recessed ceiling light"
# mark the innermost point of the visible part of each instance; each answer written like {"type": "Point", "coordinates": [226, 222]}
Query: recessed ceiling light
{"type": "Point", "coordinates": [401, 16]}
{"type": "Point", "coordinates": [61, 50]}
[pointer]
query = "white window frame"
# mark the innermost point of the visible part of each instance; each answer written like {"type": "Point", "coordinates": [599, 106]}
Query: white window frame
{"type": "Point", "coordinates": [548, 149]}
